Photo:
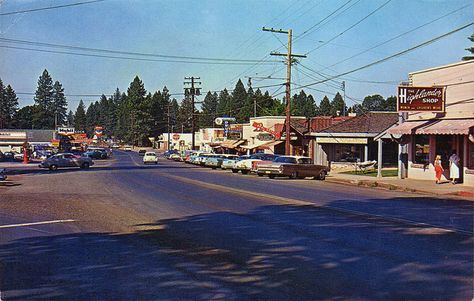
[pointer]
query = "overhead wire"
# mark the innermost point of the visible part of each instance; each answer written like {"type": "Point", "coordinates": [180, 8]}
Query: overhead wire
{"type": "Point", "coordinates": [129, 58]}
{"type": "Point", "coordinates": [49, 7]}
{"type": "Point", "coordinates": [100, 50]}
{"type": "Point", "coordinates": [393, 56]}
{"type": "Point", "coordinates": [352, 26]}
{"type": "Point", "coordinates": [400, 35]}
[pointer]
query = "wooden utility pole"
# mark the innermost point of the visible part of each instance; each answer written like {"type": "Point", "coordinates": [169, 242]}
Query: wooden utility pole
{"type": "Point", "coordinates": [289, 62]}
{"type": "Point", "coordinates": [192, 91]}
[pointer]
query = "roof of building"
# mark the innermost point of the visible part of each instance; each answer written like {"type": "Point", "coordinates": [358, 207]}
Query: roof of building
{"type": "Point", "coordinates": [34, 135]}
{"type": "Point", "coordinates": [443, 66]}
{"type": "Point", "coordinates": [371, 122]}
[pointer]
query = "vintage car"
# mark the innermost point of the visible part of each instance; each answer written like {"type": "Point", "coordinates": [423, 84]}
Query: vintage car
{"type": "Point", "coordinates": [245, 166]}
{"type": "Point", "coordinates": [150, 157]}
{"type": "Point", "coordinates": [294, 167]}
{"type": "Point", "coordinates": [230, 162]}
{"type": "Point", "coordinates": [217, 160]}
{"type": "Point", "coordinates": [66, 160]}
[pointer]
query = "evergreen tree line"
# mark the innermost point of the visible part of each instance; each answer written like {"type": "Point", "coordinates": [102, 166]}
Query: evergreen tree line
{"type": "Point", "coordinates": [137, 114]}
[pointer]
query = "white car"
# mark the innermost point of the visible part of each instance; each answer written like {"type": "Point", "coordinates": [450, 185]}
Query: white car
{"type": "Point", "coordinates": [150, 157]}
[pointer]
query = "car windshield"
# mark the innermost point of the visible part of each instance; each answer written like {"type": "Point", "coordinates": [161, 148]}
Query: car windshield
{"type": "Point", "coordinates": [150, 154]}
{"type": "Point", "coordinates": [285, 160]}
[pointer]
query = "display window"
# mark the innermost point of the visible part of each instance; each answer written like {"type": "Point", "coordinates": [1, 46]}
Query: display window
{"type": "Point", "coordinates": [422, 149]}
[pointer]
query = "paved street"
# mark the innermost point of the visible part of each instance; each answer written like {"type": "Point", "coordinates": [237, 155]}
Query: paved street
{"type": "Point", "coordinates": [124, 231]}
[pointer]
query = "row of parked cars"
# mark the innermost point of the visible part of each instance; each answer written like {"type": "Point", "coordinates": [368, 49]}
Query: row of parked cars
{"type": "Point", "coordinates": [294, 167]}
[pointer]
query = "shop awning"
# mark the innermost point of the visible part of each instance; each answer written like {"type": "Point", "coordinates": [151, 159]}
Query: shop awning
{"type": "Point", "coordinates": [232, 143]}
{"type": "Point", "coordinates": [252, 146]}
{"type": "Point", "coordinates": [407, 128]}
{"type": "Point", "coordinates": [447, 127]}
{"type": "Point", "coordinates": [270, 144]}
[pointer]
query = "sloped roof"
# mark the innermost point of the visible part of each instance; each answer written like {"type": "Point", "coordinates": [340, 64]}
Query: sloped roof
{"type": "Point", "coordinates": [35, 135]}
{"type": "Point", "coordinates": [371, 122]}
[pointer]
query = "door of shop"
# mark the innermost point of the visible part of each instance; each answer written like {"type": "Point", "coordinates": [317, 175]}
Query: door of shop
{"type": "Point", "coordinates": [445, 145]}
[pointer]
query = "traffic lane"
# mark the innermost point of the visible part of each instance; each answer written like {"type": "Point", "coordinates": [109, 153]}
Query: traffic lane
{"type": "Point", "coordinates": [279, 252]}
{"type": "Point", "coordinates": [398, 205]}
{"type": "Point", "coordinates": [15, 227]}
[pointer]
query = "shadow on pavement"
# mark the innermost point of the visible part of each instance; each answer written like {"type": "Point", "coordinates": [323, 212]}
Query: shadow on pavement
{"type": "Point", "coordinates": [19, 171]}
{"type": "Point", "coordinates": [272, 253]}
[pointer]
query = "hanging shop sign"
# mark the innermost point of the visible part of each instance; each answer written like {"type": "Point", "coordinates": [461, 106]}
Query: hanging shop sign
{"type": "Point", "coordinates": [176, 136]}
{"type": "Point", "coordinates": [98, 131]}
{"type": "Point", "coordinates": [66, 130]}
{"type": "Point", "coordinates": [421, 99]}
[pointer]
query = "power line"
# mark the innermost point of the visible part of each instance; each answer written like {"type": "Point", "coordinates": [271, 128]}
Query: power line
{"type": "Point", "coordinates": [34, 43]}
{"type": "Point", "coordinates": [48, 8]}
{"type": "Point", "coordinates": [308, 31]}
{"type": "Point", "coordinates": [132, 58]}
{"type": "Point", "coordinates": [352, 26]}
{"type": "Point", "coordinates": [400, 35]}
{"type": "Point", "coordinates": [392, 56]}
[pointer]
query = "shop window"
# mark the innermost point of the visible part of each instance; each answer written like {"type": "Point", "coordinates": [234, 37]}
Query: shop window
{"type": "Point", "coordinates": [422, 149]}
{"type": "Point", "coordinates": [348, 153]}
{"type": "Point", "coordinates": [470, 156]}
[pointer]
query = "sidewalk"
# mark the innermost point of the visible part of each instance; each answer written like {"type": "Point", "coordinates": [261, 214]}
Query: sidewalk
{"type": "Point", "coordinates": [410, 185]}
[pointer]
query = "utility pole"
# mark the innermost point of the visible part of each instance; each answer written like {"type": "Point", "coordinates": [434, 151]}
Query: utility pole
{"type": "Point", "coordinates": [169, 135]}
{"type": "Point", "coordinates": [344, 98]}
{"type": "Point", "coordinates": [289, 62]}
{"type": "Point", "coordinates": [254, 99]}
{"type": "Point", "coordinates": [192, 91]}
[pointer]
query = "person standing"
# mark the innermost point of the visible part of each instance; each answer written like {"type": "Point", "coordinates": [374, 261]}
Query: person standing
{"type": "Point", "coordinates": [454, 167]}
{"type": "Point", "coordinates": [438, 169]}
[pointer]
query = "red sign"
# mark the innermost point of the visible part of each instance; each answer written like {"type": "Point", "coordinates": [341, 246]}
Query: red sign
{"type": "Point", "coordinates": [420, 99]}
{"type": "Point", "coordinates": [260, 128]}
{"type": "Point", "coordinates": [175, 136]}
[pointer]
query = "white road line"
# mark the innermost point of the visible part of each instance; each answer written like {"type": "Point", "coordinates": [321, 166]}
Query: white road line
{"type": "Point", "coordinates": [37, 223]}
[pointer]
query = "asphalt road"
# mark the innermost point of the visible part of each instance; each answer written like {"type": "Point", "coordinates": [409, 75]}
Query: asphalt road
{"type": "Point", "coordinates": [124, 231]}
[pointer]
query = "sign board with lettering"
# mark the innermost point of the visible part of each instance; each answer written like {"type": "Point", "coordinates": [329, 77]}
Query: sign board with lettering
{"type": "Point", "coordinates": [341, 140]}
{"type": "Point", "coordinates": [421, 99]}
{"type": "Point", "coordinates": [13, 135]}
{"type": "Point", "coordinates": [66, 130]}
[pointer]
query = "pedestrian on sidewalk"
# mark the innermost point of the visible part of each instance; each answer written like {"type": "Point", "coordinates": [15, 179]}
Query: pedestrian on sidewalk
{"type": "Point", "coordinates": [454, 167]}
{"type": "Point", "coordinates": [438, 169]}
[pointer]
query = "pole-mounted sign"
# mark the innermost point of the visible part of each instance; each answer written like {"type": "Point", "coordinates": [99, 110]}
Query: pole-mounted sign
{"type": "Point", "coordinates": [421, 99]}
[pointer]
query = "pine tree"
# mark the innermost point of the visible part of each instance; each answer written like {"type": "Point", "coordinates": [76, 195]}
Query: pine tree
{"type": "Point", "coordinates": [59, 104]}
{"type": "Point", "coordinates": [184, 118]}
{"type": "Point", "coordinates": [470, 49]}
{"type": "Point", "coordinates": [70, 119]}
{"type": "Point", "coordinates": [325, 107]}
{"type": "Point", "coordinates": [141, 119]}
{"type": "Point", "coordinates": [43, 117]}
{"type": "Point", "coordinates": [80, 117]}
{"type": "Point", "coordinates": [22, 118]}
{"type": "Point", "coordinates": [239, 97]}
{"type": "Point", "coordinates": [3, 106]}
{"type": "Point", "coordinates": [91, 118]}
{"type": "Point", "coordinates": [209, 110]}
{"type": "Point", "coordinates": [223, 103]}
{"type": "Point", "coordinates": [337, 105]}
{"type": "Point", "coordinates": [8, 106]}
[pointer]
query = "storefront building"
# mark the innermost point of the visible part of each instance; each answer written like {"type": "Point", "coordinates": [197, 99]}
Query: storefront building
{"type": "Point", "coordinates": [442, 130]}
{"type": "Point", "coordinates": [352, 140]}
{"type": "Point", "coordinates": [12, 140]}
{"type": "Point", "coordinates": [264, 134]}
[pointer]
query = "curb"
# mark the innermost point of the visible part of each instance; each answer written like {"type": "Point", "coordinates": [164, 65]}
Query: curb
{"type": "Point", "coordinates": [388, 186]}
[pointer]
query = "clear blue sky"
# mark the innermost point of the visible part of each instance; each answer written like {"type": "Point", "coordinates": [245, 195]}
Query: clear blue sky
{"type": "Point", "coordinates": [227, 29]}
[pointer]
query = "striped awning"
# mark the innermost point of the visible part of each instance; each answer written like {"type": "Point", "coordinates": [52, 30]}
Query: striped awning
{"type": "Point", "coordinates": [447, 127]}
{"type": "Point", "coordinates": [407, 128]}
{"type": "Point", "coordinates": [434, 127]}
